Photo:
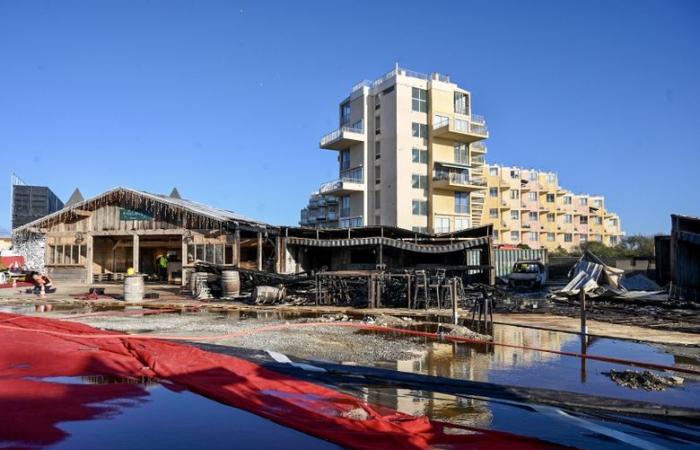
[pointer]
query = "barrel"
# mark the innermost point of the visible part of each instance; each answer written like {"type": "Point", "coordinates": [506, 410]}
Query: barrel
{"type": "Point", "coordinates": [133, 288]}
{"type": "Point", "coordinates": [267, 294]}
{"type": "Point", "coordinates": [230, 283]}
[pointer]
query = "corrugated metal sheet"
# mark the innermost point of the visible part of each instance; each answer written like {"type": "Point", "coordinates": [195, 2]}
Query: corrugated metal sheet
{"type": "Point", "coordinates": [504, 258]}
{"type": "Point", "coordinates": [404, 245]}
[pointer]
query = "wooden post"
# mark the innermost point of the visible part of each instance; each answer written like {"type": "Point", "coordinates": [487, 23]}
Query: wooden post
{"type": "Point", "coordinates": [89, 258]}
{"type": "Point", "coordinates": [582, 300]}
{"type": "Point", "coordinates": [135, 253]}
{"type": "Point", "coordinates": [278, 255]}
{"type": "Point", "coordinates": [455, 315]}
{"type": "Point", "coordinates": [185, 261]}
{"type": "Point", "coordinates": [237, 248]}
{"type": "Point", "coordinates": [260, 250]}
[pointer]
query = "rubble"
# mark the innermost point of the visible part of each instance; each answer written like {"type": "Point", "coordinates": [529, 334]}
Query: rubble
{"type": "Point", "coordinates": [643, 380]}
{"type": "Point", "coordinates": [31, 246]}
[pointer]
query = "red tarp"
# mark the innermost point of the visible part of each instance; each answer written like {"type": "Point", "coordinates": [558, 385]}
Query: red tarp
{"type": "Point", "coordinates": [7, 261]}
{"type": "Point", "coordinates": [31, 409]}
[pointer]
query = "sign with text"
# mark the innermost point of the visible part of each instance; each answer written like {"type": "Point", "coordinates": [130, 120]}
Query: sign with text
{"type": "Point", "coordinates": [130, 214]}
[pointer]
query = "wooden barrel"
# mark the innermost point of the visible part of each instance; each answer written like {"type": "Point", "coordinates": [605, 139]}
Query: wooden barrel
{"type": "Point", "coordinates": [267, 294]}
{"type": "Point", "coordinates": [230, 283]}
{"type": "Point", "coordinates": [133, 288]}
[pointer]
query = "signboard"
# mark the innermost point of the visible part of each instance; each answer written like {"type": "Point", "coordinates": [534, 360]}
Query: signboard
{"type": "Point", "coordinates": [130, 214]}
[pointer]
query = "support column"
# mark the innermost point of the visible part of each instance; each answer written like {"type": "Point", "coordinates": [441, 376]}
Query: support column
{"type": "Point", "coordinates": [278, 255]}
{"type": "Point", "coordinates": [237, 248]}
{"type": "Point", "coordinates": [185, 261]}
{"type": "Point", "coordinates": [260, 250]}
{"type": "Point", "coordinates": [89, 257]}
{"type": "Point", "coordinates": [135, 253]}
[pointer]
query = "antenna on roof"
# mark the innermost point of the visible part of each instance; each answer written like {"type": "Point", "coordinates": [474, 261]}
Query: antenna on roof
{"type": "Point", "coordinates": [175, 194]}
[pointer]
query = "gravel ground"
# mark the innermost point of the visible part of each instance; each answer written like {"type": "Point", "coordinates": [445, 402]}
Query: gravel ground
{"type": "Point", "coordinates": [325, 343]}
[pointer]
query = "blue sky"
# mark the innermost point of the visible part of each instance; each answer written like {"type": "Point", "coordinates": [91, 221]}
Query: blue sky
{"type": "Point", "coordinates": [227, 100]}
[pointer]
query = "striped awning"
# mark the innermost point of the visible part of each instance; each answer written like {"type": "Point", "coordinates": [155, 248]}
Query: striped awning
{"type": "Point", "coordinates": [400, 244]}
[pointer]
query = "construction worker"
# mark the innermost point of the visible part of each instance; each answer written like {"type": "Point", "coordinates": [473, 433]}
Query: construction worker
{"type": "Point", "coordinates": [162, 262]}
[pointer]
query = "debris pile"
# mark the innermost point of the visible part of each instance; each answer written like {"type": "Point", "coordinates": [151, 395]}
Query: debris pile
{"type": "Point", "coordinates": [643, 380]}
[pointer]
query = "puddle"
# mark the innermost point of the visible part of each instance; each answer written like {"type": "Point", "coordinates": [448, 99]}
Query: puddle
{"type": "Point", "coordinates": [149, 414]}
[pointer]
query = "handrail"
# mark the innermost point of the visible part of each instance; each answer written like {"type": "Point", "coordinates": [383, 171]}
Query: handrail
{"type": "Point", "coordinates": [333, 135]}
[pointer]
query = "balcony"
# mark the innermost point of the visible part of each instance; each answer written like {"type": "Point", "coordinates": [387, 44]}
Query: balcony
{"type": "Point", "coordinates": [459, 129]}
{"type": "Point", "coordinates": [351, 180]}
{"type": "Point", "coordinates": [343, 138]}
{"type": "Point", "coordinates": [350, 222]}
{"type": "Point", "coordinates": [477, 147]}
{"type": "Point", "coordinates": [456, 177]}
{"type": "Point", "coordinates": [458, 180]}
{"type": "Point", "coordinates": [478, 160]}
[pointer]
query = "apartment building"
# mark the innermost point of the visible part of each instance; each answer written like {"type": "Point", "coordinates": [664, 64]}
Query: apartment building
{"type": "Point", "coordinates": [528, 206]}
{"type": "Point", "coordinates": [410, 154]}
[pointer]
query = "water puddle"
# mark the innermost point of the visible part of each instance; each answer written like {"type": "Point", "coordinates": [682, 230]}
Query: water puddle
{"type": "Point", "coordinates": [118, 413]}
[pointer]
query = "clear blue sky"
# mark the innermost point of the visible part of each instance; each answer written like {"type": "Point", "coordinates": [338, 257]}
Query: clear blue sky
{"type": "Point", "coordinates": [227, 100]}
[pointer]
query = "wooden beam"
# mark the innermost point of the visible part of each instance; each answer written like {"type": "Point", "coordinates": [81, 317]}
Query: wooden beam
{"type": "Point", "coordinates": [82, 212]}
{"type": "Point", "coordinates": [135, 253]}
{"type": "Point", "coordinates": [260, 251]}
{"type": "Point", "coordinates": [237, 248]}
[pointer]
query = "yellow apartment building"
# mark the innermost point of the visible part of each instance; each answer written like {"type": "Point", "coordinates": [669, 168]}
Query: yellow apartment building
{"type": "Point", "coordinates": [410, 154]}
{"type": "Point", "coordinates": [528, 206]}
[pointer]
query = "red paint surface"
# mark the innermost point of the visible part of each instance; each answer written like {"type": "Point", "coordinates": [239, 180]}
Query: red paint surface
{"type": "Point", "coordinates": [27, 350]}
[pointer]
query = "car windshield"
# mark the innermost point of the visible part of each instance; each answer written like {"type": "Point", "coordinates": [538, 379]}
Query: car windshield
{"type": "Point", "coordinates": [526, 268]}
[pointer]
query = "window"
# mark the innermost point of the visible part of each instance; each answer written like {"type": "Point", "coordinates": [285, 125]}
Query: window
{"type": "Point", "coordinates": [420, 156]}
{"type": "Point", "coordinates": [493, 171]}
{"type": "Point", "coordinates": [345, 113]}
{"type": "Point", "coordinates": [515, 214]}
{"type": "Point", "coordinates": [515, 174]}
{"type": "Point", "coordinates": [377, 102]}
{"type": "Point", "coordinates": [420, 207]}
{"type": "Point", "coordinates": [568, 237]}
{"type": "Point", "coordinates": [532, 196]}
{"type": "Point", "coordinates": [568, 218]}
{"type": "Point", "coordinates": [211, 253]}
{"type": "Point", "coordinates": [377, 199]}
{"type": "Point", "coordinates": [419, 99]}
{"type": "Point", "coordinates": [461, 153]}
{"type": "Point", "coordinates": [583, 220]}
{"type": "Point", "coordinates": [345, 206]}
{"type": "Point", "coordinates": [493, 192]}
{"type": "Point", "coordinates": [567, 200]}
{"type": "Point", "coordinates": [419, 181]}
{"type": "Point", "coordinates": [388, 90]}
{"type": "Point", "coordinates": [613, 240]}
{"type": "Point", "coordinates": [377, 174]}
{"type": "Point", "coordinates": [461, 103]}
{"type": "Point", "coordinates": [534, 217]}
{"type": "Point", "coordinates": [461, 202]}
{"type": "Point", "coordinates": [377, 150]}
{"type": "Point", "coordinates": [583, 201]}
{"type": "Point", "coordinates": [551, 217]}
{"type": "Point", "coordinates": [377, 124]}
{"type": "Point", "coordinates": [67, 254]}
{"type": "Point", "coordinates": [344, 159]}
{"type": "Point", "coordinates": [514, 195]}
{"type": "Point", "coordinates": [598, 203]}
{"type": "Point", "coordinates": [551, 178]}
{"type": "Point", "coordinates": [493, 213]}
{"type": "Point", "coordinates": [514, 235]}
{"type": "Point", "coordinates": [533, 176]}
{"type": "Point", "coordinates": [377, 219]}
{"type": "Point", "coordinates": [551, 237]}
{"type": "Point", "coordinates": [583, 238]}
{"type": "Point", "coordinates": [419, 229]}
{"type": "Point", "coordinates": [442, 224]}
{"type": "Point", "coordinates": [597, 220]}
{"type": "Point", "coordinates": [419, 130]}
{"type": "Point", "coordinates": [461, 223]}
{"type": "Point", "coordinates": [551, 198]}
{"type": "Point", "coordinates": [534, 236]}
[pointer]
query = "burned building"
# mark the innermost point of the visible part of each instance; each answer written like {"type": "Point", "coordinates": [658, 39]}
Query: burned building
{"type": "Point", "coordinates": [685, 258]}
{"type": "Point", "coordinates": [101, 238]}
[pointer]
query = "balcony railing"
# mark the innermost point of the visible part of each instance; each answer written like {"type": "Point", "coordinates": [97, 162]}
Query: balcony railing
{"type": "Point", "coordinates": [333, 135]}
{"type": "Point", "coordinates": [478, 146]}
{"type": "Point", "coordinates": [478, 159]}
{"type": "Point", "coordinates": [461, 125]}
{"type": "Point", "coordinates": [461, 178]}
{"type": "Point", "coordinates": [350, 222]}
{"type": "Point", "coordinates": [353, 175]}
{"type": "Point", "coordinates": [478, 119]}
